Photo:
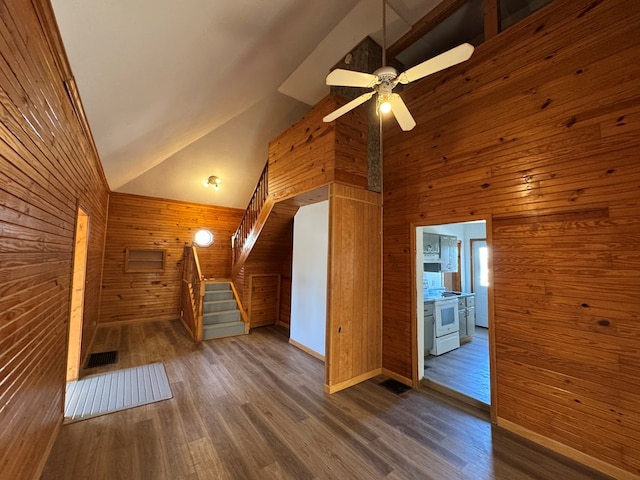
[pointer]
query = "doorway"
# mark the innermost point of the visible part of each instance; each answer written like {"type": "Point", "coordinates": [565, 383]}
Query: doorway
{"type": "Point", "coordinates": [463, 370]}
{"type": "Point", "coordinates": [76, 310]}
{"type": "Point", "coordinates": [480, 279]}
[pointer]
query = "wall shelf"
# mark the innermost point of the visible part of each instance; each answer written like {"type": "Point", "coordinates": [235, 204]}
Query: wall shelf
{"type": "Point", "coordinates": [144, 260]}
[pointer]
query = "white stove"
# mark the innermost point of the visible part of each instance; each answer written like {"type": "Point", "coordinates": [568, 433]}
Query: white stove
{"type": "Point", "coordinates": [446, 326]}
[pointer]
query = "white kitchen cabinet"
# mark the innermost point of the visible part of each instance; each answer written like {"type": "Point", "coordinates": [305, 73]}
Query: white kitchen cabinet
{"type": "Point", "coordinates": [471, 320]}
{"type": "Point", "coordinates": [448, 253]}
{"type": "Point", "coordinates": [431, 247]}
{"type": "Point", "coordinates": [467, 315]}
{"type": "Point", "coordinates": [462, 317]}
{"type": "Point", "coordinates": [428, 326]}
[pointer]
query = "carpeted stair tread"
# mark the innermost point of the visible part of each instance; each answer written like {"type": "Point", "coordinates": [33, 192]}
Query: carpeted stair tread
{"type": "Point", "coordinates": [225, 316]}
{"type": "Point", "coordinates": [219, 306]}
{"type": "Point", "coordinates": [213, 287]}
{"type": "Point", "coordinates": [221, 330]}
{"type": "Point", "coordinates": [220, 314]}
{"type": "Point", "coordinates": [213, 295]}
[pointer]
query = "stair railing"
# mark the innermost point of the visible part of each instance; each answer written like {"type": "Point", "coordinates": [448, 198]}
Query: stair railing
{"type": "Point", "coordinates": [192, 293]}
{"type": "Point", "coordinates": [258, 199]}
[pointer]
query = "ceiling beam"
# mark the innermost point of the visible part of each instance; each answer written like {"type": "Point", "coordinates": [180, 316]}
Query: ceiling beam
{"type": "Point", "coordinates": [491, 12]}
{"type": "Point", "coordinates": [423, 26]}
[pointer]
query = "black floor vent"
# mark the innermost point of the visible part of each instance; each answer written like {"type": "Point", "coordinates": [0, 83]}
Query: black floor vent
{"type": "Point", "coordinates": [395, 386]}
{"type": "Point", "coordinates": [102, 358]}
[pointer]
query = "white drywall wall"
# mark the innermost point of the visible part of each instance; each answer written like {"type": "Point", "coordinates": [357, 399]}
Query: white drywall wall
{"type": "Point", "coordinates": [309, 276]}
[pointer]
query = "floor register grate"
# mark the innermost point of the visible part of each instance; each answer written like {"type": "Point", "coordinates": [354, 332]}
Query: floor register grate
{"type": "Point", "coordinates": [102, 358]}
{"type": "Point", "coordinates": [394, 386]}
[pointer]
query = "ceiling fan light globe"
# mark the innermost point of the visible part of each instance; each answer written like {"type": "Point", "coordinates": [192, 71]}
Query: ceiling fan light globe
{"type": "Point", "coordinates": [385, 107]}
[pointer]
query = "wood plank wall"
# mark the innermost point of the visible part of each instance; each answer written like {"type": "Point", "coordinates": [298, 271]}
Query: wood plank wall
{"type": "Point", "coordinates": [354, 296]}
{"type": "Point", "coordinates": [152, 223]}
{"type": "Point", "coordinates": [540, 133]}
{"type": "Point", "coordinates": [312, 153]}
{"type": "Point", "coordinates": [47, 169]}
{"type": "Point", "coordinates": [271, 256]}
{"type": "Point", "coordinates": [303, 160]}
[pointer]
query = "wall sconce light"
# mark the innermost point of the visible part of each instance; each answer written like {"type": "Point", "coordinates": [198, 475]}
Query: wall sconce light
{"type": "Point", "coordinates": [214, 181]}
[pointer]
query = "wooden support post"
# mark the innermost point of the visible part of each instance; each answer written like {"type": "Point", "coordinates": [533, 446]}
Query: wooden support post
{"type": "Point", "coordinates": [491, 9]}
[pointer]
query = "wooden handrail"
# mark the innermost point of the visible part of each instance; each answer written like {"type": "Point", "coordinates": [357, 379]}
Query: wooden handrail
{"type": "Point", "coordinates": [192, 293]}
{"type": "Point", "coordinates": [243, 313]}
{"type": "Point", "coordinates": [258, 199]}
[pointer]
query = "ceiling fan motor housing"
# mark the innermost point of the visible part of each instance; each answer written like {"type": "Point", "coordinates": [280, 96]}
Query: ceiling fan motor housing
{"type": "Point", "coordinates": [386, 74]}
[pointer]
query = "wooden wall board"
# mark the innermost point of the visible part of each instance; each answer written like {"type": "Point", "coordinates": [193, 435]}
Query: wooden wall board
{"type": "Point", "coordinates": [312, 154]}
{"type": "Point", "coordinates": [264, 299]}
{"type": "Point", "coordinates": [165, 225]}
{"type": "Point", "coordinates": [271, 256]}
{"type": "Point", "coordinates": [537, 132]}
{"type": "Point", "coordinates": [48, 169]}
{"type": "Point", "coordinates": [354, 320]}
{"type": "Point", "coordinates": [351, 137]}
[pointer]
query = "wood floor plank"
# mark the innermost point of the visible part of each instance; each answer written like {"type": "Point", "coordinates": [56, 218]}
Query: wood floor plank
{"type": "Point", "coordinates": [465, 369]}
{"type": "Point", "coordinates": [253, 406]}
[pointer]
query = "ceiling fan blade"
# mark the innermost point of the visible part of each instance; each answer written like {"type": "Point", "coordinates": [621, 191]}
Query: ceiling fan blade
{"type": "Point", "coordinates": [349, 106]}
{"type": "Point", "coordinates": [447, 59]}
{"type": "Point", "coordinates": [349, 78]}
{"type": "Point", "coordinates": [401, 112]}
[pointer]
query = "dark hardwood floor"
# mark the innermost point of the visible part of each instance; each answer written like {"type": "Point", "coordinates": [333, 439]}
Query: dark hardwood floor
{"type": "Point", "coordinates": [253, 407]}
{"type": "Point", "coordinates": [465, 369]}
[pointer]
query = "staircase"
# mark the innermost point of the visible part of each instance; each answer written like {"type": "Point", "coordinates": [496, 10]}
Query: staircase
{"type": "Point", "coordinates": [220, 314]}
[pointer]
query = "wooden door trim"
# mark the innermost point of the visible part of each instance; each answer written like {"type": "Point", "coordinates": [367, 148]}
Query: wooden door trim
{"type": "Point", "coordinates": [493, 407]}
{"type": "Point", "coordinates": [77, 293]}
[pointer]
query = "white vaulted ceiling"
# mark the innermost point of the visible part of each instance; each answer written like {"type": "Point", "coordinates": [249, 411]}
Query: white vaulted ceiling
{"type": "Point", "coordinates": [176, 91]}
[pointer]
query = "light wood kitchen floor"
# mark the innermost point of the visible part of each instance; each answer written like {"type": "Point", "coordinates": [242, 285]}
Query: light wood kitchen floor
{"type": "Point", "coordinates": [253, 407]}
{"type": "Point", "coordinates": [465, 370]}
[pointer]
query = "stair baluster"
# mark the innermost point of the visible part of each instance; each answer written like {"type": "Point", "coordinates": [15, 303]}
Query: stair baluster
{"type": "Point", "coordinates": [251, 214]}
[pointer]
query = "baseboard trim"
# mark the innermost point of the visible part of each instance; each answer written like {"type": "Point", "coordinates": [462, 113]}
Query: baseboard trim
{"type": "Point", "coordinates": [186, 327]}
{"type": "Point", "coordinates": [562, 449]}
{"type": "Point", "coordinates": [407, 381]}
{"type": "Point", "coordinates": [353, 381]}
{"type": "Point", "coordinates": [138, 320]}
{"type": "Point", "coordinates": [49, 447]}
{"type": "Point", "coordinates": [306, 349]}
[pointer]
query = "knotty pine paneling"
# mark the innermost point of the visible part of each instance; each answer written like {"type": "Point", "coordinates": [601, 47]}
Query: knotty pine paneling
{"type": "Point", "coordinates": [539, 131]}
{"type": "Point", "coordinates": [48, 168]}
{"type": "Point", "coordinates": [312, 153]}
{"type": "Point", "coordinates": [270, 256]}
{"type": "Point", "coordinates": [354, 305]}
{"type": "Point", "coordinates": [264, 300]}
{"type": "Point", "coordinates": [152, 223]}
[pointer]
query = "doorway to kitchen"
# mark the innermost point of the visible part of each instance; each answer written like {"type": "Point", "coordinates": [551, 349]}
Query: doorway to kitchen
{"type": "Point", "coordinates": [452, 276]}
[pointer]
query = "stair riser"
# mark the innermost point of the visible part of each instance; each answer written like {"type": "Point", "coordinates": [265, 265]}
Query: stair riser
{"type": "Point", "coordinates": [218, 318]}
{"type": "Point", "coordinates": [221, 306]}
{"type": "Point", "coordinates": [224, 330]}
{"type": "Point", "coordinates": [216, 296]}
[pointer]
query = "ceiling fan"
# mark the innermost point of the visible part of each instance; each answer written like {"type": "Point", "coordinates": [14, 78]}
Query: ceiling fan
{"type": "Point", "coordinates": [384, 80]}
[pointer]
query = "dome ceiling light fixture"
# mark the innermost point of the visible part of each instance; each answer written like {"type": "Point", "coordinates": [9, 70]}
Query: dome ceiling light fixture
{"type": "Point", "coordinates": [214, 181]}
